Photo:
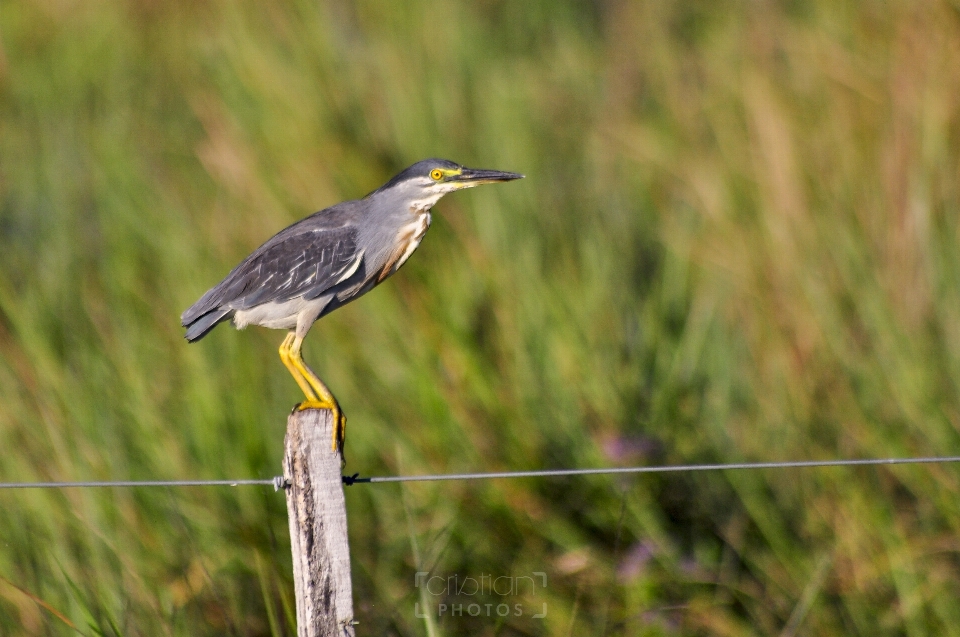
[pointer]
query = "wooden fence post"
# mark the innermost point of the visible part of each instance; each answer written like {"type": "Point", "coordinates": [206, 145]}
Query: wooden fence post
{"type": "Point", "coordinates": [318, 527]}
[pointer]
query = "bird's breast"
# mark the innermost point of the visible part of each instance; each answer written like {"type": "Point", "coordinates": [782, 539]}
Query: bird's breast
{"type": "Point", "coordinates": [407, 240]}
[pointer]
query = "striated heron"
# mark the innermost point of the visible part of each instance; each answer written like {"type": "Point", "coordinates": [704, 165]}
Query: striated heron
{"type": "Point", "coordinates": [327, 260]}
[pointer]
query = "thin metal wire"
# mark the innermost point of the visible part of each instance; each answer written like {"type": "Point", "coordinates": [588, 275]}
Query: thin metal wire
{"type": "Point", "coordinates": [279, 482]}
{"type": "Point", "coordinates": [275, 482]}
{"type": "Point", "coordinates": [354, 479]}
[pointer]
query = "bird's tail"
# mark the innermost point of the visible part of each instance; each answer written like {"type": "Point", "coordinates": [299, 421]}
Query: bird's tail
{"type": "Point", "coordinates": [203, 324]}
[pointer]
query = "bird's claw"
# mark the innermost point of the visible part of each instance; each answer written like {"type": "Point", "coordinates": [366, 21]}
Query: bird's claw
{"type": "Point", "coordinates": [339, 421]}
{"type": "Point", "coordinates": [339, 431]}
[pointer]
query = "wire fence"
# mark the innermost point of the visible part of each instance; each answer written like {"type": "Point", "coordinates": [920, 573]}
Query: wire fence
{"type": "Point", "coordinates": [279, 482]}
{"type": "Point", "coordinates": [142, 483]}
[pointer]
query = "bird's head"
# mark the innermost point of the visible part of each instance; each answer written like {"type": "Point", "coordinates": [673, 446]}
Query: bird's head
{"type": "Point", "coordinates": [426, 181]}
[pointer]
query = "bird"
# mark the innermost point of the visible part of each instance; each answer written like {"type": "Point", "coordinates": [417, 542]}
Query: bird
{"type": "Point", "coordinates": [328, 259]}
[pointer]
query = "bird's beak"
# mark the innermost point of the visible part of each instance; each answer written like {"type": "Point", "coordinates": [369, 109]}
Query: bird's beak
{"type": "Point", "coordinates": [470, 177]}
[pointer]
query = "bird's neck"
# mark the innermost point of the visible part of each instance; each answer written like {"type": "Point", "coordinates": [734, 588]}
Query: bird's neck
{"type": "Point", "coordinates": [423, 205]}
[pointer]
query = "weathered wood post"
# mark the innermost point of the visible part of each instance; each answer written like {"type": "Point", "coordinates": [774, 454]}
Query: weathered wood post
{"type": "Point", "coordinates": [318, 527]}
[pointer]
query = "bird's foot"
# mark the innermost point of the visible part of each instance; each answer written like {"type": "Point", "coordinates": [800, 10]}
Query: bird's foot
{"type": "Point", "coordinates": [315, 404]}
{"type": "Point", "coordinates": [339, 422]}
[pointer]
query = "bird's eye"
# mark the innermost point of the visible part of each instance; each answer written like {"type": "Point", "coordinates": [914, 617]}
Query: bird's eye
{"type": "Point", "coordinates": [436, 174]}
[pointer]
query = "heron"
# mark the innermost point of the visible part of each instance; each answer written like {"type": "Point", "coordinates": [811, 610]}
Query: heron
{"type": "Point", "coordinates": [328, 259]}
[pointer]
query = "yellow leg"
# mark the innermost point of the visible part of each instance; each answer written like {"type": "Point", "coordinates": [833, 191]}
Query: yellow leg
{"type": "Point", "coordinates": [297, 376]}
{"type": "Point", "coordinates": [324, 397]}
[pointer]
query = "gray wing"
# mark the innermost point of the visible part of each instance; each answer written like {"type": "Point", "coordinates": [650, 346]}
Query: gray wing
{"type": "Point", "coordinates": [306, 263]}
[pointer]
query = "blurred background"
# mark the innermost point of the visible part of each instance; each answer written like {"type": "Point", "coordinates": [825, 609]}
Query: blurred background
{"type": "Point", "coordinates": [737, 241]}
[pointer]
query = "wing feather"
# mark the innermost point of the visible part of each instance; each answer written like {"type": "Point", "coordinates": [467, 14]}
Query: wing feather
{"type": "Point", "coordinates": [307, 263]}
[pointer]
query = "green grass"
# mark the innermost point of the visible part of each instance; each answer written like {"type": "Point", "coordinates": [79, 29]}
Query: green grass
{"type": "Point", "coordinates": [737, 240]}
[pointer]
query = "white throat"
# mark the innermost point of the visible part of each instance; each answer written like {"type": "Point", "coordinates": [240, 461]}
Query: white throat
{"type": "Point", "coordinates": [428, 200]}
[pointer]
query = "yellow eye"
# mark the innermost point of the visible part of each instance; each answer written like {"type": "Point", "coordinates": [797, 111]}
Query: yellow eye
{"type": "Point", "coordinates": [436, 174]}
